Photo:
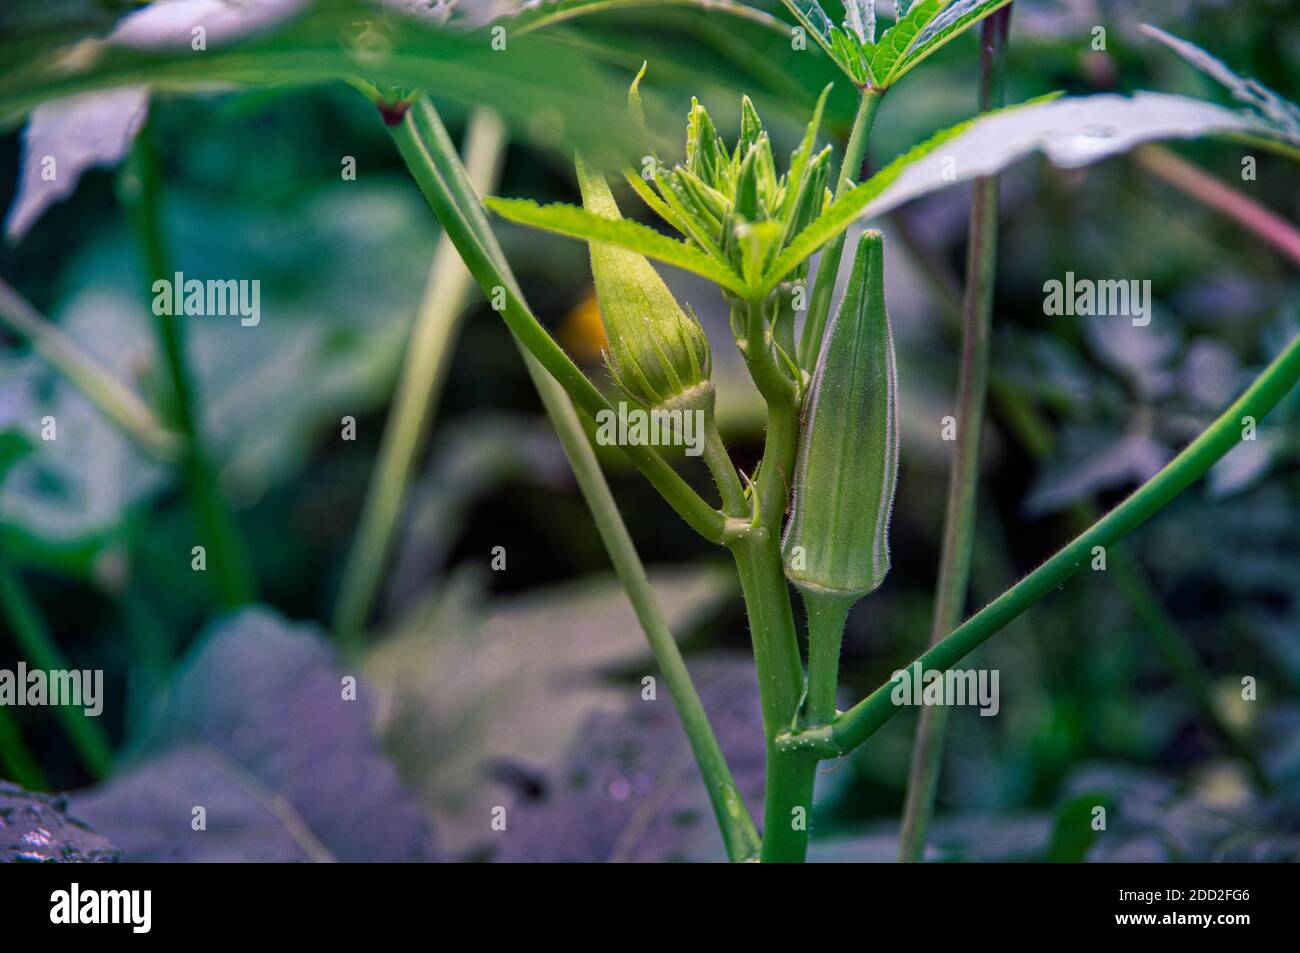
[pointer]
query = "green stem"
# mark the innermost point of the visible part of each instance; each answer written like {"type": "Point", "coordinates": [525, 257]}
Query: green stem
{"type": "Point", "coordinates": [827, 613]}
{"type": "Point", "coordinates": [447, 188]}
{"type": "Point", "coordinates": [787, 801]}
{"type": "Point", "coordinates": [225, 546]}
{"type": "Point", "coordinates": [88, 738]}
{"type": "Point", "coordinates": [854, 726]}
{"type": "Point", "coordinates": [963, 480]}
{"type": "Point", "coordinates": [424, 373]}
{"type": "Point", "coordinates": [432, 180]}
{"type": "Point", "coordinates": [118, 402]}
{"type": "Point", "coordinates": [723, 470]}
{"type": "Point", "coordinates": [819, 305]}
{"type": "Point", "coordinates": [16, 758]}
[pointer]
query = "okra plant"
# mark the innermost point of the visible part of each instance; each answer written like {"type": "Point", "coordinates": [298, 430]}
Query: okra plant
{"type": "Point", "coordinates": [769, 231]}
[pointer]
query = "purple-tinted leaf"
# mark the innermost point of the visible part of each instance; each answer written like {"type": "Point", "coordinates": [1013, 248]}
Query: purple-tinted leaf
{"type": "Point", "coordinates": [167, 24]}
{"type": "Point", "coordinates": [258, 731]}
{"type": "Point", "coordinates": [630, 790]}
{"type": "Point", "coordinates": [1087, 464]}
{"type": "Point", "coordinates": [65, 138]}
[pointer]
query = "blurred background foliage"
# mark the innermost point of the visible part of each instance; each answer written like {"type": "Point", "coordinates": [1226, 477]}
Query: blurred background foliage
{"type": "Point", "coordinates": [523, 687]}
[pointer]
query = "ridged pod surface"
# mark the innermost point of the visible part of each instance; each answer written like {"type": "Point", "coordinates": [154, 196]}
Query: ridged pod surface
{"type": "Point", "coordinates": [837, 539]}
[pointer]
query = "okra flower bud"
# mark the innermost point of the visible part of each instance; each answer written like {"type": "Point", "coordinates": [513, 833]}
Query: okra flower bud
{"type": "Point", "coordinates": [657, 354]}
{"type": "Point", "coordinates": [837, 540]}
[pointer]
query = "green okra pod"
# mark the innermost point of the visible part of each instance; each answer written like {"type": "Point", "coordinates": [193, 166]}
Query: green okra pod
{"type": "Point", "coordinates": [837, 539]}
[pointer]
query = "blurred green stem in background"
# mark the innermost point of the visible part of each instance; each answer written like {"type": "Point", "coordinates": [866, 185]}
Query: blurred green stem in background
{"type": "Point", "coordinates": [220, 535]}
{"type": "Point", "coordinates": [16, 758]}
{"type": "Point", "coordinates": [1262, 222]}
{"type": "Point", "coordinates": [88, 739]}
{"type": "Point", "coordinates": [116, 400]}
{"type": "Point", "coordinates": [963, 478]}
{"type": "Point", "coordinates": [431, 157]}
{"type": "Point", "coordinates": [424, 373]}
{"type": "Point", "coordinates": [853, 727]}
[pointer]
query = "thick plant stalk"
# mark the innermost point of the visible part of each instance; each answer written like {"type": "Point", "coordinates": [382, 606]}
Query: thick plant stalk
{"type": "Point", "coordinates": [424, 373]}
{"type": "Point", "coordinates": [853, 727]}
{"type": "Point", "coordinates": [88, 739]}
{"type": "Point", "coordinates": [787, 801]}
{"type": "Point", "coordinates": [963, 478]}
{"type": "Point", "coordinates": [227, 551]}
{"type": "Point", "coordinates": [116, 401]}
{"type": "Point", "coordinates": [819, 304]}
{"type": "Point", "coordinates": [435, 166]}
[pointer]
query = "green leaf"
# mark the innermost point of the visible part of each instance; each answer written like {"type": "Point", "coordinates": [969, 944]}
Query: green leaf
{"type": "Point", "coordinates": [540, 84]}
{"type": "Point", "coordinates": [1278, 115]}
{"type": "Point", "coordinates": [895, 42]}
{"type": "Point", "coordinates": [541, 15]}
{"type": "Point", "coordinates": [941, 24]}
{"type": "Point", "coordinates": [1071, 132]}
{"type": "Point", "coordinates": [860, 19]}
{"type": "Point", "coordinates": [579, 223]}
{"type": "Point", "coordinates": [814, 20]}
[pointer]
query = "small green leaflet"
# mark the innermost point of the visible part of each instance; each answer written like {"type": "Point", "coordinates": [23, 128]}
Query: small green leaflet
{"type": "Point", "coordinates": [928, 26]}
{"type": "Point", "coordinates": [578, 223]}
{"type": "Point", "coordinates": [1277, 114]}
{"type": "Point", "coordinates": [923, 27]}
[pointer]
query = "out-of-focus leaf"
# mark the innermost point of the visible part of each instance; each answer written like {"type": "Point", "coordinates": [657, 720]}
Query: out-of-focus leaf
{"type": "Point", "coordinates": [539, 14]}
{"type": "Point", "coordinates": [473, 457]}
{"type": "Point", "coordinates": [37, 829]}
{"type": "Point", "coordinates": [78, 484]}
{"type": "Point", "coordinates": [471, 694]}
{"type": "Point", "coordinates": [260, 732]}
{"type": "Point", "coordinates": [551, 90]}
{"type": "Point", "coordinates": [1280, 114]}
{"type": "Point", "coordinates": [630, 791]}
{"type": "Point", "coordinates": [335, 311]}
{"type": "Point", "coordinates": [165, 24]}
{"type": "Point", "coordinates": [1089, 462]}
{"type": "Point", "coordinates": [1141, 353]}
{"type": "Point", "coordinates": [65, 138]}
{"type": "Point", "coordinates": [1073, 833]}
{"type": "Point", "coordinates": [1071, 132]}
{"type": "Point", "coordinates": [1242, 467]}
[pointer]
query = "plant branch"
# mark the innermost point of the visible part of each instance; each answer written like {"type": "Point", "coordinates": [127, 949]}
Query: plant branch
{"type": "Point", "coordinates": [1261, 222]}
{"type": "Point", "coordinates": [115, 400]}
{"type": "Point", "coordinates": [450, 192]}
{"type": "Point", "coordinates": [854, 726]}
{"type": "Point", "coordinates": [424, 373]}
{"type": "Point", "coordinates": [963, 479]}
{"type": "Point", "coordinates": [233, 577]}
{"type": "Point", "coordinates": [501, 288]}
